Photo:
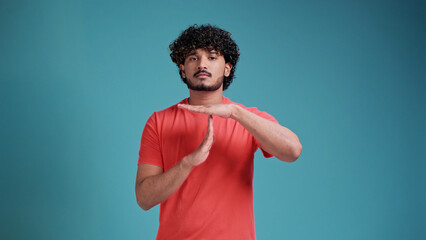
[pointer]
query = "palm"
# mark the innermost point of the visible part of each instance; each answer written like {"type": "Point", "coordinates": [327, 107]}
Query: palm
{"type": "Point", "coordinates": [202, 152]}
{"type": "Point", "coordinates": [221, 110]}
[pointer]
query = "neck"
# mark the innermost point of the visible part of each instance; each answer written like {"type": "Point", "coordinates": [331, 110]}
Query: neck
{"type": "Point", "coordinates": [205, 97]}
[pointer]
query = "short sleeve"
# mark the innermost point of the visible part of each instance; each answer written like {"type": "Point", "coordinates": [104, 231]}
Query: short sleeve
{"type": "Point", "coordinates": [270, 118]}
{"type": "Point", "coordinates": [150, 149]}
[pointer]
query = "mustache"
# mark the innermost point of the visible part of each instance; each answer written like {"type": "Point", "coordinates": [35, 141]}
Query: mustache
{"type": "Point", "coordinates": [202, 71]}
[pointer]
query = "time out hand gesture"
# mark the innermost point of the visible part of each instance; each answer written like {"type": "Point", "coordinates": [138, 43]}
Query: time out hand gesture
{"type": "Point", "coordinates": [202, 152]}
{"type": "Point", "coordinates": [221, 110]}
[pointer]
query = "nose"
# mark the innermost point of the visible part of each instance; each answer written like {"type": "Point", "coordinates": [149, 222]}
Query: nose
{"type": "Point", "coordinates": [202, 63]}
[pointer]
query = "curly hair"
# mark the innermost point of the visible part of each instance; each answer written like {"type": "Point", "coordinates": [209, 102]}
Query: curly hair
{"type": "Point", "coordinates": [206, 37]}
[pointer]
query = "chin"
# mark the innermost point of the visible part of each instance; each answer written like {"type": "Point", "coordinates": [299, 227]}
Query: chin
{"type": "Point", "coordinates": [205, 87]}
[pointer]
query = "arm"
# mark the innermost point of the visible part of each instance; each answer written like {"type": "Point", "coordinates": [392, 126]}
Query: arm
{"type": "Point", "coordinates": [153, 186]}
{"type": "Point", "coordinates": [273, 138]}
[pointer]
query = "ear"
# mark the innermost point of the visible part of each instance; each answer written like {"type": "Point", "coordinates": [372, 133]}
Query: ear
{"type": "Point", "coordinates": [228, 68]}
{"type": "Point", "coordinates": [182, 70]}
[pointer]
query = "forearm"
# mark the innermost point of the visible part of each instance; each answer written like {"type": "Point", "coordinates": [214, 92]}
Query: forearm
{"type": "Point", "coordinates": [156, 189]}
{"type": "Point", "coordinates": [273, 138]}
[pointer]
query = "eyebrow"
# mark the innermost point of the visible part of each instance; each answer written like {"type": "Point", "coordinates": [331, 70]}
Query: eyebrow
{"type": "Point", "coordinates": [194, 53]}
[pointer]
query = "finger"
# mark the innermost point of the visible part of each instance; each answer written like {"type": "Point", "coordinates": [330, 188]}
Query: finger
{"type": "Point", "coordinates": [210, 125]}
{"type": "Point", "coordinates": [183, 106]}
{"type": "Point", "coordinates": [210, 132]}
{"type": "Point", "coordinates": [206, 109]}
{"type": "Point", "coordinates": [197, 109]}
{"type": "Point", "coordinates": [207, 141]}
{"type": "Point", "coordinates": [209, 122]}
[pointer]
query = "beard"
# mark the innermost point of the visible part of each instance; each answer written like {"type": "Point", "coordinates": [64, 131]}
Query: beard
{"type": "Point", "coordinates": [204, 87]}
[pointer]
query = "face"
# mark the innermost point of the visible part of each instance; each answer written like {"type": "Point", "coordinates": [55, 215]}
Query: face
{"type": "Point", "coordinates": [204, 70]}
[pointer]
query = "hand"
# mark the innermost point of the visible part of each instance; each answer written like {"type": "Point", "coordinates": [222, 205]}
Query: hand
{"type": "Point", "coordinates": [221, 110]}
{"type": "Point", "coordinates": [202, 152]}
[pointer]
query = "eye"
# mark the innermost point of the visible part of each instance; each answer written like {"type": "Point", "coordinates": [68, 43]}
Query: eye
{"type": "Point", "coordinates": [212, 58]}
{"type": "Point", "coordinates": [192, 59]}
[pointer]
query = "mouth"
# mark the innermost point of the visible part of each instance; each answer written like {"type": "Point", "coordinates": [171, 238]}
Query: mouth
{"type": "Point", "coordinates": [202, 74]}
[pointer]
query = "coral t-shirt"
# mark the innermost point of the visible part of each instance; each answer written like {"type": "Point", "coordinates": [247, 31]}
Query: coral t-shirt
{"type": "Point", "coordinates": [216, 199]}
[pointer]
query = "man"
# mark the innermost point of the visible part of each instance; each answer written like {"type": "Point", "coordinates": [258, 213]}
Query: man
{"type": "Point", "coordinates": [196, 157]}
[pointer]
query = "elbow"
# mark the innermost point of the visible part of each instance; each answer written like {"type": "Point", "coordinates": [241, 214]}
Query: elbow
{"type": "Point", "coordinates": [142, 204]}
{"type": "Point", "coordinates": [297, 151]}
{"type": "Point", "coordinates": [292, 154]}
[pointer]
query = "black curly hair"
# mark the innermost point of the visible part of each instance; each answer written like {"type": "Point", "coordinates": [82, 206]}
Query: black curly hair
{"type": "Point", "coordinates": [205, 37]}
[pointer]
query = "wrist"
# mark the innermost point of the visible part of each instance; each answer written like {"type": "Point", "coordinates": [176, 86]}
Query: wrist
{"type": "Point", "coordinates": [185, 164]}
{"type": "Point", "coordinates": [236, 112]}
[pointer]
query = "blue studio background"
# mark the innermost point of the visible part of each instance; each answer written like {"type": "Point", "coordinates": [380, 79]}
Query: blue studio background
{"type": "Point", "coordinates": [80, 78]}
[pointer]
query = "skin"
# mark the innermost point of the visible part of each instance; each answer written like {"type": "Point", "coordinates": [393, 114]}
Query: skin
{"type": "Point", "coordinates": [153, 186]}
{"type": "Point", "coordinates": [204, 70]}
